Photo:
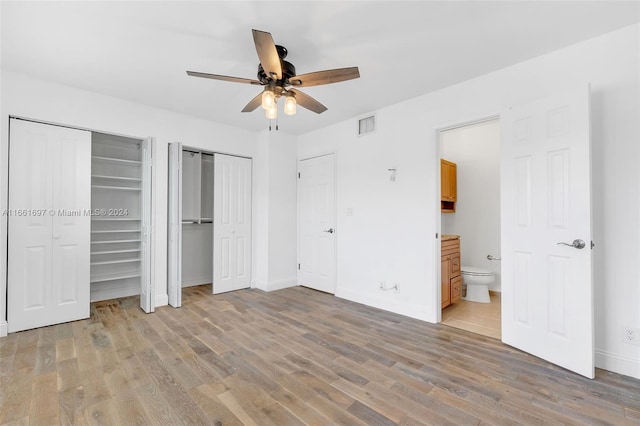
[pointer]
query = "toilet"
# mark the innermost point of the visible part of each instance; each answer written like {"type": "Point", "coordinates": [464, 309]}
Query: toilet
{"type": "Point", "coordinates": [477, 281]}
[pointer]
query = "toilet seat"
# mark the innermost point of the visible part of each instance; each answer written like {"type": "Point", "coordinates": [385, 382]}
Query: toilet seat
{"type": "Point", "coordinates": [476, 272]}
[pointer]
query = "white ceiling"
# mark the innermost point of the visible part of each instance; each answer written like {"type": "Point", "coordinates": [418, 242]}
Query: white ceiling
{"type": "Point", "coordinates": [140, 50]}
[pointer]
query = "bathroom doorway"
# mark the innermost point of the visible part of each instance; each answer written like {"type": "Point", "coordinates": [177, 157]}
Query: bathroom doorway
{"type": "Point", "coordinates": [470, 227]}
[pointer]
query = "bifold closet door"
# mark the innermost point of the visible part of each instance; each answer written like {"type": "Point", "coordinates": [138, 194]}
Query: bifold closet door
{"type": "Point", "coordinates": [49, 224]}
{"type": "Point", "coordinates": [231, 223]}
{"type": "Point", "coordinates": [174, 267]}
{"type": "Point", "coordinates": [146, 274]}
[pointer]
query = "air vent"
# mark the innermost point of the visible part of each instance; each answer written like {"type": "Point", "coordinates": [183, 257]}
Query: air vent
{"type": "Point", "coordinates": [366, 125]}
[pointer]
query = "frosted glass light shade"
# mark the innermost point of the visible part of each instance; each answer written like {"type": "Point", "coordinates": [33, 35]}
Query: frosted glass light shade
{"type": "Point", "coordinates": [272, 112]}
{"type": "Point", "coordinates": [268, 99]}
{"type": "Point", "coordinates": [290, 105]}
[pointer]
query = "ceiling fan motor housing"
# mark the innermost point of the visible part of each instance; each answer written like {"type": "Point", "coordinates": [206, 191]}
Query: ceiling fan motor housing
{"type": "Point", "coordinates": [288, 70]}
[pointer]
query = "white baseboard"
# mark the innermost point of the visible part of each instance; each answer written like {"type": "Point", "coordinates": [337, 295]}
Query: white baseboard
{"type": "Point", "coordinates": [196, 281]}
{"type": "Point", "coordinates": [162, 300]}
{"type": "Point", "coordinates": [420, 312]}
{"type": "Point", "coordinates": [624, 365]}
{"type": "Point", "coordinates": [4, 328]}
{"type": "Point", "coordinates": [275, 285]}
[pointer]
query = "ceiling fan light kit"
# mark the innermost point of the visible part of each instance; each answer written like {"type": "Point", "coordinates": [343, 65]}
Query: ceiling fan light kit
{"type": "Point", "coordinates": [277, 76]}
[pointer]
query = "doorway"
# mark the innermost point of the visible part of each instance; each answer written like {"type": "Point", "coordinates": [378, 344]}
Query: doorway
{"type": "Point", "coordinates": [209, 221]}
{"type": "Point", "coordinates": [545, 230]}
{"type": "Point", "coordinates": [470, 227]}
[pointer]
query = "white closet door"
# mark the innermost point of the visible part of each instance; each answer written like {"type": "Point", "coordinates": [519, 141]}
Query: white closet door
{"type": "Point", "coordinates": [146, 273]}
{"type": "Point", "coordinates": [231, 223]}
{"type": "Point", "coordinates": [175, 225]}
{"type": "Point", "coordinates": [49, 225]}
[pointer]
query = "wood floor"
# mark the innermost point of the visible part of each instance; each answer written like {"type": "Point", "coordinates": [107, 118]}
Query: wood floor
{"type": "Point", "coordinates": [294, 356]}
{"type": "Point", "coordinates": [481, 318]}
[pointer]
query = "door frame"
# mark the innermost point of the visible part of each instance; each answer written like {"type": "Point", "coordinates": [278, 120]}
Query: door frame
{"type": "Point", "coordinates": [4, 203]}
{"type": "Point", "coordinates": [435, 161]}
{"type": "Point", "coordinates": [335, 213]}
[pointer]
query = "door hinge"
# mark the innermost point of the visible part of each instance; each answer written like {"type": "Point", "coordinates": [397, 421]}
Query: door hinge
{"type": "Point", "coordinates": [298, 266]}
{"type": "Point", "coordinates": [298, 175]}
{"type": "Point", "coordinates": [592, 244]}
{"type": "Point", "coordinates": [436, 235]}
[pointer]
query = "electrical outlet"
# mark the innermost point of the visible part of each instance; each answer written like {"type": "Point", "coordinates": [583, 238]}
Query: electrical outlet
{"type": "Point", "coordinates": [631, 335]}
{"type": "Point", "coordinates": [382, 285]}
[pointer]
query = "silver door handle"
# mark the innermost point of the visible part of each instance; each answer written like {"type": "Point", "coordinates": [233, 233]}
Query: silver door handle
{"type": "Point", "coordinates": [579, 244]}
{"type": "Point", "coordinates": [493, 258]}
{"type": "Point", "coordinates": [330, 230]}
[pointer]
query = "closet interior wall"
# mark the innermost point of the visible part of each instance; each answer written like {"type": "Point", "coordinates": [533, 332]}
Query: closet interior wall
{"type": "Point", "coordinates": [197, 217]}
{"type": "Point", "coordinates": [116, 225]}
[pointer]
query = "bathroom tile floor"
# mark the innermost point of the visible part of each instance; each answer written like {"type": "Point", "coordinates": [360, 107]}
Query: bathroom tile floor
{"type": "Point", "coordinates": [480, 318]}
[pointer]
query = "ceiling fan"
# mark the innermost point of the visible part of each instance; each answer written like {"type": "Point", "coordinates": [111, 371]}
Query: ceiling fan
{"type": "Point", "coordinates": [279, 79]}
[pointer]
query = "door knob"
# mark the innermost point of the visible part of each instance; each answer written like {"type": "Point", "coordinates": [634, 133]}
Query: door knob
{"type": "Point", "coordinates": [330, 230]}
{"type": "Point", "coordinates": [579, 244]}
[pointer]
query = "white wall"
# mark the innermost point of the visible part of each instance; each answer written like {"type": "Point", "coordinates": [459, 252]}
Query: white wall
{"type": "Point", "coordinates": [278, 212]}
{"type": "Point", "coordinates": [476, 151]}
{"type": "Point", "coordinates": [392, 233]}
{"type": "Point", "coordinates": [30, 98]}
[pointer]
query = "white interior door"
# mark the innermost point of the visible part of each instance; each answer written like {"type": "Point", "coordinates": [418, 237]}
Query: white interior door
{"type": "Point", "coordinates": [547, 292]}
{"type": "Point", "coordinates": [316, 223]}
{"type": "Point", "coordinates": [231, 223]}
{"type": "Point", "coordinates": [146, 278]}
{"type": "Point", "coordinates": [49, 225]}
{"type": "Point", "coordinates": [175, 225]}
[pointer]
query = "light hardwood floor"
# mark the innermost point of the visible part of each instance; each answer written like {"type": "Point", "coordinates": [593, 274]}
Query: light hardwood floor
{"type": "Point", "coordinates": [294, 356]}
{"type": "Point", "coordinates": [481, 318]}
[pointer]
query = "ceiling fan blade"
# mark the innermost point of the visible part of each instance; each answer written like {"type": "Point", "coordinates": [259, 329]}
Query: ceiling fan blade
{"type": "Point", "coordinates": [308, 102]}
{"type": "Point", "coordinates": [325, 77]}
{"type": "Point", "coordinates": [253, 103]}
{"type": "Point", "coordinates": [223, 78]}
{"type": "Point", "coordinates": [268, 54]}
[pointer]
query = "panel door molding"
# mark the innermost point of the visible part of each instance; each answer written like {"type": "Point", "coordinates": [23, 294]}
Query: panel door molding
{"type": "Point", "coordinates": [49, 224]}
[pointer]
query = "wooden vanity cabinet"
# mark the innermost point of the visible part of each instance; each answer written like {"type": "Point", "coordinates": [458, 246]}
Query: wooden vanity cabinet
{"type": "Point", "coordinates": [451, 280]}
{"type": "Point", "coordinates": [448, 186]}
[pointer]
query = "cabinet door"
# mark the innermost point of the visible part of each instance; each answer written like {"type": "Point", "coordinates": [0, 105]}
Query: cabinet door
{"type": "Point", "coordinates": [455, 265]}
{"type": "Point", "coordinates": [49, 233]}
{"type": "Point", "coordinates": [456, 289]}
{"type": "Point", "coordinates": [448, 180]}
{"type": "Point", "coordinates": [445, 281]}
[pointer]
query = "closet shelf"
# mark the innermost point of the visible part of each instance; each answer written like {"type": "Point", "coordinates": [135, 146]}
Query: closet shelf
{"type": "Point", "coordinates": [117, 161]}
{"type": "Point", "coordinates": [117, 188]}
{"type": "Point", "coordinates": [113, 262]}
{"type": "Point", "coordinates": [113, 277]}
{"type": "Point", "coordinates": [115, 241]}
{"type": "Point", "coordinates": [121, 178]}
{"type": "Point", "coordinates": [95, 253]}
{"type": "Point", "coordinates": [114, 231]}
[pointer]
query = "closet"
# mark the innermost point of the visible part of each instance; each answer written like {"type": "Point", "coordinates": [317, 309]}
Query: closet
{"type": "Point", "coordinates": [79, 225]}
{"type": "Point", "coordinates": [119, 233]}
{"type": "Point", "coordinates": [209, 221]}
{"type": "Point", "coordinates": [197, 218]}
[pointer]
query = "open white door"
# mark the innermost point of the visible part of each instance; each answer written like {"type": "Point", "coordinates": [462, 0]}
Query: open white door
{"type": "Point", "coordinates": [174, 267]}
{"type": "Point", "coordinates": [547, 292]}
{"type": "Point", "coordinates": [231, 223]}
{"type": "Point", "coordinates": [49, 224]}
{"type": "Point", "coordinates": [146, 277]}
{"type": "Point", "coordinates": [316, 223]}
